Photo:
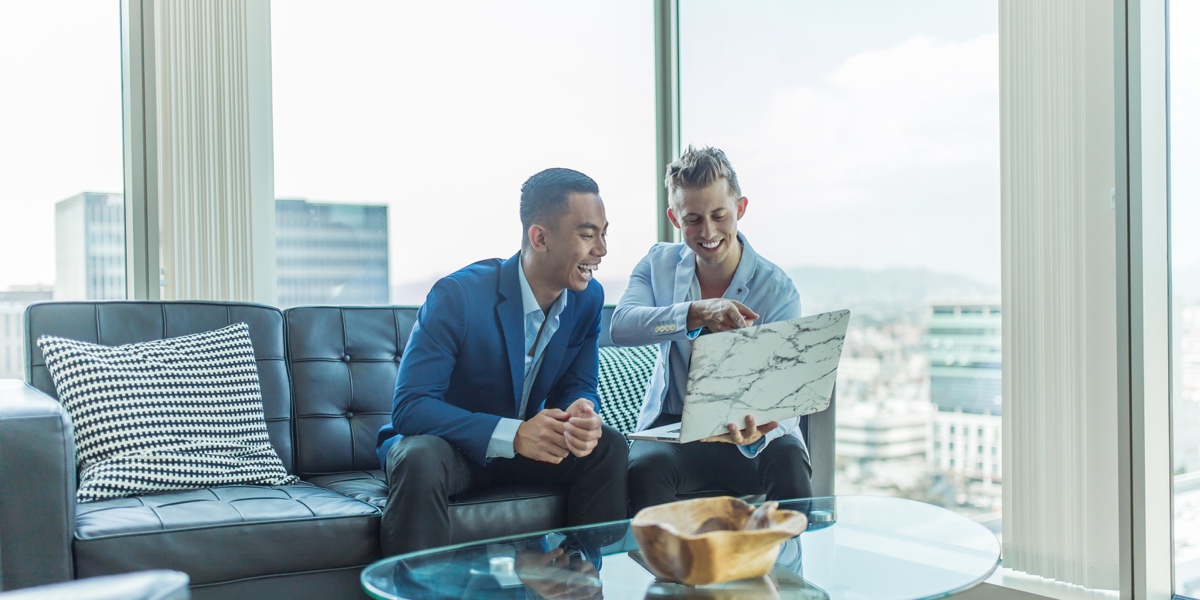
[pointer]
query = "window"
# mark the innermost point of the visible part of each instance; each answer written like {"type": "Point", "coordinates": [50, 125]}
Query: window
{"type": "Point", "coordinates": [869, 150]}
{"type": "Point", "coordinates": [1184, 90]}
{"type": "Point", "coordinates": [63, 231]}
{"type": "Point", "coordinates": [432, 116]}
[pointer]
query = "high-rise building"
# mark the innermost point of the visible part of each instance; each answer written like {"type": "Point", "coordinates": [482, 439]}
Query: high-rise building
{"type": "Point", "coordinates": [12, 328]}
{"type": "Point", "coordinates": [1185, 390]}
{"type": "Point", "coordinates": [328, 253]}
{"type": "Point", "coordinates": [963, 344]}
{"type": "Point", "coordinates": [325, 253]}
{"type": "Point", "coordinates": [89, 244]}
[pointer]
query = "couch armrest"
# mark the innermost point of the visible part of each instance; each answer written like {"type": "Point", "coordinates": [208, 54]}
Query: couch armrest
{"type": "Point", "coordinates": [143, 585]}
{"type": "Point", "coordinates": [37, 488]}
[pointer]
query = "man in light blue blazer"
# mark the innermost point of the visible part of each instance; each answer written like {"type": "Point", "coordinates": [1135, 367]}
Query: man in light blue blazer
{"type": "Point", "coordinates": [714, 281]}
{"type": "Point", "coordinates": [497, 384]}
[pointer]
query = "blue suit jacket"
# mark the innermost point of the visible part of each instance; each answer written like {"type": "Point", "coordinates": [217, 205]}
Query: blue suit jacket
{"type": "Point", "coordinates": [463, 368]}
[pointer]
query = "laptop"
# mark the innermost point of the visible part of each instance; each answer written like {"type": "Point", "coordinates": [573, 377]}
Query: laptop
{"type": "Point", "coordinates": [773, 372]}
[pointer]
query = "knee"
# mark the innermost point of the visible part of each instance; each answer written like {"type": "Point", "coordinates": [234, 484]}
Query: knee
{"type": "Point", "coordinates": [611, 449]}
{"type": "Point", "coordinates": [650, 462]}
{"type": "Point", "coordinates": [787, 475]}
{"type": "Point", "coordinates": [419, 458]}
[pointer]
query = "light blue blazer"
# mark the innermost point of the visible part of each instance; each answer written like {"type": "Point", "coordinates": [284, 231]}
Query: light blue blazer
{"type": "Point", "coordinates": [654, 308]}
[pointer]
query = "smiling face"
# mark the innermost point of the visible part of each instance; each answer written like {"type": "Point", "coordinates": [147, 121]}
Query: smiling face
{"type": "Point", "coordinates": [707, 218]}
{"type": "Point", "coordinates": [566, 254]}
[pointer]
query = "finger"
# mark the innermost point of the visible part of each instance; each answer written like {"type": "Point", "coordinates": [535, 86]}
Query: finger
{"type": "Point", "coordinates": [554, 425]}
{"type": "Point", "coordinates": [587, 423]}
{"type": "Point", "coordinates": [554, 413]}
{"type": "Point", "coordinates": [736, 319]}
{"type": "Point", "coordinates": [750, 423]}
{"type": "Point", "coordinates": [578, 444]}
{"type": "Point", "coordinates": [745, 310]}
{"type": "Point", "coordinates": [734, 433]}
{"type": "Point", "coordinates": [582, 433]}
{"type": "Point", "coordinates": [768, 426]}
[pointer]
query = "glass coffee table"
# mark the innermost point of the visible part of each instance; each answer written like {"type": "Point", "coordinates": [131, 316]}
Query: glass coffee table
{"type": "Point", "coordinates": [855, 547]}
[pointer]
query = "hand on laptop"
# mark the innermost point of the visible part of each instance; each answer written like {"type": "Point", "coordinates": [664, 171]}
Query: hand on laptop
{"type": "Point", "coordinates": [742, 437]}
{"type": "Point", "coordinates": [582, 430]}
{"type": "Point", "coordinates": [719, 314]}
{"type": "Point", "coordinates": [542, 437]}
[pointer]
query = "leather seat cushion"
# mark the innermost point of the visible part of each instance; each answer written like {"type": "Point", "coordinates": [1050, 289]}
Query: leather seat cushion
{"type": "Point", "coordinates": [475, 515]}
{"type": "Point", "coordinates": [226, 533]}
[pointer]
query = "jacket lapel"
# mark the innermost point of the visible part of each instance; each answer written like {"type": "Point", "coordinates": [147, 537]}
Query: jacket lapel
{"type": "Point", "coordinates": [552, 357]}
{"type": "Point", "coordinates": [512, 321]}
{"type": "Point", "coordinates": [685, 272]}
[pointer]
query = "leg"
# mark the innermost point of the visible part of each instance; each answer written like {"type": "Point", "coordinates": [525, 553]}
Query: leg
{"type": "Point", "coordinates": [655, 473]}
{"type": "Point", "coordinates": [596, 483]}
{"type": "Point", "coordinates": [423, 471]}
{"type": "Point", "coordinates": [659, 471]}
{"type": "Point", "coordinates": [782, 471]}
{"type": "Point", "coordinates": [599, 482]}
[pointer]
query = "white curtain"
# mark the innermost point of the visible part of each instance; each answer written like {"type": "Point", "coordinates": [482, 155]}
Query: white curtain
{"type": "Point", "coordinates": [1059, 290]}
{"type": "Point", "coordinates": [216, 172]}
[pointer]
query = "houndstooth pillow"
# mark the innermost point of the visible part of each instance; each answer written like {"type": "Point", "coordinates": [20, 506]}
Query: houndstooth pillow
{"type": "Point", "coordinates": [624, 374]}
{"type": "Point", "coordinates": [174, 414]}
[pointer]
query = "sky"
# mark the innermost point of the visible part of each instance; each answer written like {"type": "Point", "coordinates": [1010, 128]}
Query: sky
{"type": "Point", "coordinates": [866, 133]}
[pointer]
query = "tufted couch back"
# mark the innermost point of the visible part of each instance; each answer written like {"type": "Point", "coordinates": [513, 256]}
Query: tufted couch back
{"type": "Point", "coordinates": [129, 322]}
{"type": "Point", "coordinates": [343, 362]}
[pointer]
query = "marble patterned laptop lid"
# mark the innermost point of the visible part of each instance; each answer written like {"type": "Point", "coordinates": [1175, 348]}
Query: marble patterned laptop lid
{"type": "Point", "coordinates": [773, 372]}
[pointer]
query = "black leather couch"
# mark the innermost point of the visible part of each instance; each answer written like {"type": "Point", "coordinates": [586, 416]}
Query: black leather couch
{"type": "Point", "coordinates": [327, 376]}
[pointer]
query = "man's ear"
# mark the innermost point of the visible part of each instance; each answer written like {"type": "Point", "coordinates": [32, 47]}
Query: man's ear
{"type": "Point", "coordinates": [673, 218]}
{"type": "Point", "coordinates": [741, 206]}
{"type": "Point", "coordinates": [537, 237]}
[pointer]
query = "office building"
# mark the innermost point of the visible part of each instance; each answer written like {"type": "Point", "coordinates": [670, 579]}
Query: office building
{"type": "Point", "coordinates": [89, 245]}
{"type": "Point", "coordinates": [12, 328]}
{"type": "Point", "coordinates": [328, 253]}
{"type": "Point", "coordinates": [963, 344]}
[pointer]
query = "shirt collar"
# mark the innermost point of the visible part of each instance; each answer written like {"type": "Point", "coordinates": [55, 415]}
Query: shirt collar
{"type": "Point", "coordinates": [746, 265]}
{"type": "Point", "coordinates": [529, 303]}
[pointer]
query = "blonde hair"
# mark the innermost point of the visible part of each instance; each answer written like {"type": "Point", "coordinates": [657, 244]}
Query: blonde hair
{"type": "Point", "coordinates": [699, 168]}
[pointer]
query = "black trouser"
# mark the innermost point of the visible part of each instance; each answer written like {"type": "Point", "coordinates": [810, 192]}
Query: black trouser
{"type": "Point", "coordinates": [424, 471]}
{"type": "Point", "coordinates": [659, 471]}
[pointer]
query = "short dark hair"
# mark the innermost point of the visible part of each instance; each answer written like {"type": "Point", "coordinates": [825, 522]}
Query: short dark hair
{"type": "Point", "coordinates": [544, 196]}
{"type": "Point", "coordinates": [699, 168]}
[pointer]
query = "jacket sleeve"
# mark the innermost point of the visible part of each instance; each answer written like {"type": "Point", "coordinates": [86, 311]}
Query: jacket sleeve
{"type": "Point", "coordinates": [419, 406]}
{"type": "Point", "coordinates": [639, 319]}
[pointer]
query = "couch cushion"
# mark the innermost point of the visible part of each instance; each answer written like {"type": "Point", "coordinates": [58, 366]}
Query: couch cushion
{"type": "Point", "coordinates": [343, 363]}
{"type": "Point", "coordinates": [172, 414]}
{"type": "Point", "coordinates": [624, 375]}
{"type": "Point", "coordinates": [474, 515]}
{"type": "Point", "coordinates": [127, 322]}
{"type": "Point", "coordinates": [227, 533]}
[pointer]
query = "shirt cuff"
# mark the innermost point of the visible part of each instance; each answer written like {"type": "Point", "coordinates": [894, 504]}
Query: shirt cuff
{"type": "Point", "coordinates": [501, 444]}
{"type": "Point", "coordinates": [752, 450]}
{"type": "Point", "coordinates": [694, 333]}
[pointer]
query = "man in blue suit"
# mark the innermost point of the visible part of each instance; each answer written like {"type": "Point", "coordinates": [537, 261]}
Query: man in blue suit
{"type": "Point", "coordinates": [497, 385]}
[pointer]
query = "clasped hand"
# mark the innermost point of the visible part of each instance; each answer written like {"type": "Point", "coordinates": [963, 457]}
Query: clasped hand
{"type": "Point", "coordinates": [553, 434]}
{"type": "Point", "coordinates": [719, 314]}
{"type": "Point", "coordinates": [742, 437]}
{"type": "Point", "coordinates": [556, 575]}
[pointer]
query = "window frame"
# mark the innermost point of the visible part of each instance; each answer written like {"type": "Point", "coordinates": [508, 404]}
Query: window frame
{"type": "Point", "coordinates": [1142, 202]}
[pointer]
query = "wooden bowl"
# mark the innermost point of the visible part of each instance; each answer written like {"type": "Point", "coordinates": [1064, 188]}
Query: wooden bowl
{"type": "Point", "coordinates": [712, 540]}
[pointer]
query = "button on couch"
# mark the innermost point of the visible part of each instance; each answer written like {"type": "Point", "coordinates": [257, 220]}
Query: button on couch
{"type": "Point", "coordinates": [327, 376]}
